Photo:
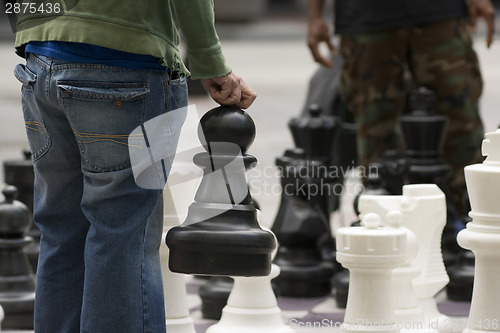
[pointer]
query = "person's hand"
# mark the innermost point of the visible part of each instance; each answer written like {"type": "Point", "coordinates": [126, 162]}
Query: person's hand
{"type": "Point", "coordinates": [230, 90]}
{"type": "Point", "coordinates": [317, 33]}
{"type": "Point", "coordinates": [484, 8]}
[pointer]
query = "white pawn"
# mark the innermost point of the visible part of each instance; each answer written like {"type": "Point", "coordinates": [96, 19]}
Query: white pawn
{"type": "Point", "coordinates": [409, 315]}
{"type": "Point", "coordinates": [186, 176]}
{"type": "Point", "coordinates": [482, 237]}
{"type": "Point", "coordinates": [370, 253]}
{"type": "Point", "coordinates": [252, 307]}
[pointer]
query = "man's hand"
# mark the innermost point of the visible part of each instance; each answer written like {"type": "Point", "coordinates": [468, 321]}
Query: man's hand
{"type": "Point", "coordinates": [230, 90]}
{"type": "Point", "coordinates": [318, 33]}
{"type": "Point", "coordinates": [485, 9]}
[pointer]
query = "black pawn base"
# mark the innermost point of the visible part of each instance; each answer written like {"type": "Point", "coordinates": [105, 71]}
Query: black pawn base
{"type": "Point", "coordinates": [302, 275]}
{"type": "Point", "coordinates": [19, 313]}
{"type": "Point", "coordinates": [230, 245]}
{"type": "Point", "coordinates": [341, 285]}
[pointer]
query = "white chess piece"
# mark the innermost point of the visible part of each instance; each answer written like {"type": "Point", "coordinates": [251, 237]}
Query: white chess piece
{"type": "Point", "coordinates": [186, 176]}
{"type": "Point", "coordinates": [252, 306]}
{"type": "Point", "coordinates": [482, 237]}
{"type": "Point", "coordinates": [424, 210]}
{"type": "Point", "coordinates": [2, 315]}
{"type": "Point", "coordinates": [409, 315]}
{"type": "Point", "coordinates": [370, 253]}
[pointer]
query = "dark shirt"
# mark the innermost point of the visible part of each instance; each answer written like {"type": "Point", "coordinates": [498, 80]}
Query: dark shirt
{"type": "Point", "coordinates": [372, 15]}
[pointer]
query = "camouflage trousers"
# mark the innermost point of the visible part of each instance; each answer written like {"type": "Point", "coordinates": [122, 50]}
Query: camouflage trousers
{"type": "Point", "coordinates": [439, 56]}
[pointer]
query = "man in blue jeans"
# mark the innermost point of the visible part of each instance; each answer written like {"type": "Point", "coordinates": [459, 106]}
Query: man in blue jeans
{"type": "Point", "coordinates": [93, 74]}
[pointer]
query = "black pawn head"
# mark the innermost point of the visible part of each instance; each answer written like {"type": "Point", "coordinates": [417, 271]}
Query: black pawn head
{"type": "Point", "coordinates": [226, 124]}
{"type": "Point", "coordinates": [314, 110]}
{"type": "Point", "coordinates": [15, 218]}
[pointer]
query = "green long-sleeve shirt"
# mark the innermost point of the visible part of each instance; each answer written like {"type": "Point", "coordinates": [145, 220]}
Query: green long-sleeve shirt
{"type": "Point", "coordinates": [144, 27]}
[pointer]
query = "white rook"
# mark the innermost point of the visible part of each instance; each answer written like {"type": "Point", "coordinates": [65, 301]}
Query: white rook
{"type": "Point", "coordinates": [370, 253]}
{"type": "Point", "coordinates": [482, 237]}
{"type": "Point", "coordinates": [424, 210]}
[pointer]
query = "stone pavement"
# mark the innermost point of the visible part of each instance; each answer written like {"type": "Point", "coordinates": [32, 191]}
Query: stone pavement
{"type": "Point", "coordinates": [273, 58]}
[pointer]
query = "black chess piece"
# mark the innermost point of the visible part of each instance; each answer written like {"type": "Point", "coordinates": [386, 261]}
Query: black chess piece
{"type": "Point", "coordinates": [17, 281]}
{"type": "Point", "coordinates": [318, 136]}
{"type": "Point", "coordinates": [423, 132]}
{"type": "Point", "coordinates": [394, 170]}
{"type": "Point", "coordinates": [221, 235]}
{"type": "Point", "coordinates": [214, 294]}
{"type": "Point", "coordinates": [19, 173]}
{"type": "Point", "coordinates": [306, 254]}
{"type": "Point", "coordinates": [462, 266]}
{"type": "Point", "coordinates": [300, 225]}
{"type": "Point", "coordinates": [461, 278]}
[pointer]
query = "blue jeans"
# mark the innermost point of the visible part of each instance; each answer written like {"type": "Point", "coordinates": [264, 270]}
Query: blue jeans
{"type": "Point", "coordinates": [99, 266]}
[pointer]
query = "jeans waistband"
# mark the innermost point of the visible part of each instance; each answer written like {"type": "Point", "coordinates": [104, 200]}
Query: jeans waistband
{"type": "Point", "coordinates": [48, 62]}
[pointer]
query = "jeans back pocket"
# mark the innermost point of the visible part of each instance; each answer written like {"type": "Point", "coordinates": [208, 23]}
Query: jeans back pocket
{"type": "Point", "coordinates": [102, 115]}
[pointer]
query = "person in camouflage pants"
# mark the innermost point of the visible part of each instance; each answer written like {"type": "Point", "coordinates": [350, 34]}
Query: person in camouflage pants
{"type": "Point", "coordinates": [373, 87]}
{"type": "Point", "coordinates": [374, 81]}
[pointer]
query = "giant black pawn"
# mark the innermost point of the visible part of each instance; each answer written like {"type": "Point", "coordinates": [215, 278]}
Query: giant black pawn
{"type": "Point", "coordinates": [17, 281]}
{"type": "Point", "coordinates": [19, 173]}
{"type": "Point", "coordinates": [221, 235]}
